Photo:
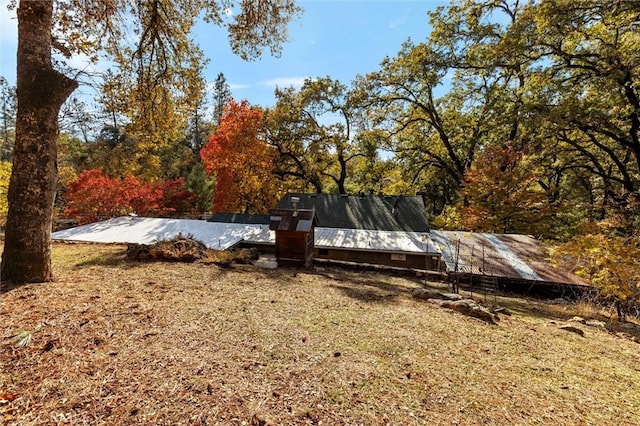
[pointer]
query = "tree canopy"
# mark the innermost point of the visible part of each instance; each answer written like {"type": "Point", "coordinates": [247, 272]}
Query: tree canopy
{"type": "Point", "coordinates": [155, 83]}
{"type": "Point", "coordinates": [241, 161]}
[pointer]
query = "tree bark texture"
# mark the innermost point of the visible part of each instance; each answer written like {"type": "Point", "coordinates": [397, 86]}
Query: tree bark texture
{"type": "Point", "coordinates": [41, 91]}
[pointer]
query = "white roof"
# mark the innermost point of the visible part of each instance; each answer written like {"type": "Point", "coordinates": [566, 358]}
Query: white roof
{"type": "Point", "coordinates": [221, 236]}
{"type": "Point", "coordinates": [144, 230]}
{"type": "Point", "coordinates": [363, 239]}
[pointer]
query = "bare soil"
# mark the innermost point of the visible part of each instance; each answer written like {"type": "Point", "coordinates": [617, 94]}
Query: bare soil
{"type": "Point", "coordinates": [119, 342]}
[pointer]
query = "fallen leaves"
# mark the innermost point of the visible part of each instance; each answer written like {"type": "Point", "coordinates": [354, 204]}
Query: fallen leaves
{"type": "Point", "coordinates": [172, 343]}
{"type": "Point", "coordinates": [7, 397]}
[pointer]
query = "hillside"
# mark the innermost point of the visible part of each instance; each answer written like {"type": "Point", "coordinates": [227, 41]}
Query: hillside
{"type": "Point", "coordinates": [120, 342]}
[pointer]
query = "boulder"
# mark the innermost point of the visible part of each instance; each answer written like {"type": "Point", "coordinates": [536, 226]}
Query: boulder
{"type": "Point", "coordinates": [595, 323]}
{"type": "Point", "coordinates": [503, 311]}
{"type": "Point", "coordinates": [471, 308]}
{"type": "Point", "coordinates": [426, 294]}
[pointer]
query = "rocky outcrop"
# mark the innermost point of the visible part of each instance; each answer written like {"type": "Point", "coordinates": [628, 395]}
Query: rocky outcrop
{"type": "Point", "coordinates": [427, 294]}
{"type": "Point", "coordinates": [457, 303]}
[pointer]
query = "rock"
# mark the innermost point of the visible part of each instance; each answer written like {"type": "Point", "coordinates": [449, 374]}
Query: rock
{"type": "Point", "coordinates": [423, 293]}
{"type": "Point", "coordinates": [452, 296]}
{"type": "Point", "coordinates": [258, 420]}
{"type": "Point", "coordinates": [577, 319]}
{"type": "Point", "coordinates": [595, 323]}
{"type": "Point", "coordinates": [572, 329]}
{"type": "Point", "coordinates": [426, 294]}
{"type": "Point", "coordinates": [470, 308]}
{"type": "Point", "coordinates": [503, 311]}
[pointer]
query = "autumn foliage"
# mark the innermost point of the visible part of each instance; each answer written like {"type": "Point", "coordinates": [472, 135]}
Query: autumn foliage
{"type": "Point", "coordinates": [502, 194]}
{"type": "Point", "coordinates": [242, 162]}
{"type": "Point", "coordinates": [5, 174]}
{"type": "Point", "coordinates": [610, 262]}
{"type": "Point", "coordinates": [94, 196]}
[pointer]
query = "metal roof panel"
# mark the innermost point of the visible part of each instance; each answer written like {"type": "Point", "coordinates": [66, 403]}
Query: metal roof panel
{"type": "Point", "coordinates": [364, 239]}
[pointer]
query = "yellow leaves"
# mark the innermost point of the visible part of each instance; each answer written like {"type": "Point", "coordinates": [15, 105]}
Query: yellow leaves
{"type": "Point", "coordinates": [594, 250]}
{"type": "Point", "coordinates": [612, 263]}
{"type": "Point", "coordinates": [5, 175]}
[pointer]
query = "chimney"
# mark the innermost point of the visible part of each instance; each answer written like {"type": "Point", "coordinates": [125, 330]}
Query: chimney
{"type": "Point", "coordinates": [295, 201]}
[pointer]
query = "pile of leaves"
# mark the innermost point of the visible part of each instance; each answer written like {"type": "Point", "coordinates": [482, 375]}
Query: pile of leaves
{"type": "Point", "coordinates": [188, 249]}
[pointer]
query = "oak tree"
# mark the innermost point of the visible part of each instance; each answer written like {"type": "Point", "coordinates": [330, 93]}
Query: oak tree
{"type": "Point", "coordinates": [160, 60]}
{"type": "Point", "coordinates": [503, 194]}
{"type": "Point", "coordinates": [314, 130]}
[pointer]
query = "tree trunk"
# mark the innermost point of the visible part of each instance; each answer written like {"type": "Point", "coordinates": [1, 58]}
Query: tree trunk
{"type": "Point", "coordinates": [41, 91]}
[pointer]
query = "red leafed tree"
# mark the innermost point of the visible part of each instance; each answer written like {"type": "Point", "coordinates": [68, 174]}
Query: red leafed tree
{"type": "Point", "coordinates": [176, 198]}
{"type": "Point", "coordinates": [94, 196]}
{"type": "Point", "coordinates": [242, 162]}
{"type": "Point", "coordinates": [503, 194]}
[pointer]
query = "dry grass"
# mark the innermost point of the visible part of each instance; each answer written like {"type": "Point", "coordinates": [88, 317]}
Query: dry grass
{"type": "Point", "coordinates": [119, 342]}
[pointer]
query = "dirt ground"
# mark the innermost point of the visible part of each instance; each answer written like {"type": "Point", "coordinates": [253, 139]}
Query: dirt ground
{"type": "Point", "coordinates": [118, 342]}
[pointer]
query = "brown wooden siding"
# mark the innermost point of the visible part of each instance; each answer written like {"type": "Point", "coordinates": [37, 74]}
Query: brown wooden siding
{"type": "Point", "coordinates": [405, 260]}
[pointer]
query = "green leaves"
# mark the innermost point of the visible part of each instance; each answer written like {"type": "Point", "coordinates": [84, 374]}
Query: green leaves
{"type": "Point", "coordinates": [314, 130]}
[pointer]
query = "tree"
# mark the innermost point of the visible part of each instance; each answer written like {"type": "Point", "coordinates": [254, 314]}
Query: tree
{"type": "Point", "coordinates": [314, 131]}
{"type": "Point", "coordinates": [591, 53]}
{"type": "Point", "coordinates": [610, 262]}
{"type": "Point", "coordinates": [221, 96]}
{"type": "Point", "coordinates": [74, 119]}
{"type": "Point", "coordinates": [476, 49]}
{"type": "Point", "coordinates": [241, 161]}
{"type": "Point", "coordinates": [370, 173]}
{"type": "Point", "coordinates": [162, 49]}
{"type": "Point", "coordinates": [557, 77]}
{"type": "Point", "coordinates": [94, 196]}
{"type": "Point", "coordinates": [426, 132]}
{"type": "Point", "coordinates": [72, 156]}
{"type": "Point", "coordinates": [503, 194]}
{"type": "Point", "coordinates": [199, 128]}
{"type": "Point", "coordinates": [41, 92]}
{"type": "Point", "coordinates": [203, 186]}
{"type": "Point", "coordinates": [7, 118]}
{"type": "Point", "coordinates": [114, 153]}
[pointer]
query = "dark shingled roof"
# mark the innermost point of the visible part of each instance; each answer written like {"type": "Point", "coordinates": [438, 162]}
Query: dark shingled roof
{"type": "Point", "coordinates": [373, 212]}
{"type": "Point", "coordinates": [244, 219]}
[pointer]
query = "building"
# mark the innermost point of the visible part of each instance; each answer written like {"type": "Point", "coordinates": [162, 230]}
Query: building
{"type": "Point", "coordinates": [294, 232]}
{"type": "Point", "coordinates": [371, 229]}
{"type": "Point", "coordinates": [504, 262]}
{"type": "Point", "coordinates": [365, 211]}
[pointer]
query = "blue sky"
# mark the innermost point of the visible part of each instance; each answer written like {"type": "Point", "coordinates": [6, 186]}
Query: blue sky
{"type": "Point", "coordinates": [335, 38]}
